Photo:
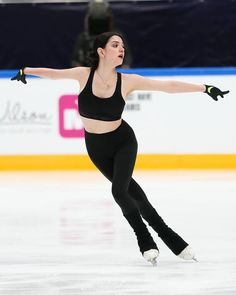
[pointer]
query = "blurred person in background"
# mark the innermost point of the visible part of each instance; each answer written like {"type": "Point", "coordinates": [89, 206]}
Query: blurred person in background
{"type": "Point", "coordinates": [98, 19]}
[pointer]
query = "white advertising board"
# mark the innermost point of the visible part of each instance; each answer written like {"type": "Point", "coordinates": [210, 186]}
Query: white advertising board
{"type": "Point", "coordinates": [41, 118]}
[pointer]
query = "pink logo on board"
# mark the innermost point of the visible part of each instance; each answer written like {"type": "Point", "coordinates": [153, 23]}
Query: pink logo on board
{"type": "Point", "coordinates": [70, 124]}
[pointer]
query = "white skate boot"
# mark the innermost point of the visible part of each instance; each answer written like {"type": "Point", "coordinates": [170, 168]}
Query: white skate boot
{"type": "Point", "coordinates": [151, 256]}
{"type": "Point", "coordinates": [187, 254]}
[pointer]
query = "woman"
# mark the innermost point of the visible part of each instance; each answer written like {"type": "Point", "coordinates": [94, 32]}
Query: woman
{"type": "Point", "coordinates": [111, 142]}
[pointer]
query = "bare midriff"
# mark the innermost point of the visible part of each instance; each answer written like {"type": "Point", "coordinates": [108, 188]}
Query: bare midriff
{"type": "Point", "coordinates": [98, 126]}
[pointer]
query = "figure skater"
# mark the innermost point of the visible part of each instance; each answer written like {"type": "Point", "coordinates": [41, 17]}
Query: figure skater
{"type": "Point", "coordinates": [111, 142]}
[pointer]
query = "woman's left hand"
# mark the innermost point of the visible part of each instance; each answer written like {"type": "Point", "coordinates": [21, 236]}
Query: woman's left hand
{"type": "Point", "coordinates": [214, 92]}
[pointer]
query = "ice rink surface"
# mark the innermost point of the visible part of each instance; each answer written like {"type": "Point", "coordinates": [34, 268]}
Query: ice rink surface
{"type": "Point", "coordinates": [61, 233]}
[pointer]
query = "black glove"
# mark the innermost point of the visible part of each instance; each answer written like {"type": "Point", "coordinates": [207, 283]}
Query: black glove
{"type": "Point", "coordinates": [213, 92]}
{"type": "Point", "coordinates": [20, 76]}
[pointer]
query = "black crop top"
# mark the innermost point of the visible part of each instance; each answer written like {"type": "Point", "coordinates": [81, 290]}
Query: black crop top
{"type": "Point", "coordinates": [105, 109]}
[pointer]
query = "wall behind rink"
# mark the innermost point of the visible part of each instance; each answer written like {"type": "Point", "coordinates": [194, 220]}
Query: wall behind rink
{"type": "Point", "coordinates": [40, 127]}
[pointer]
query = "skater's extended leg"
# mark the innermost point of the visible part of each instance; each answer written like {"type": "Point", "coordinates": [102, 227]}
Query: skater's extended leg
{"type": "Point", "coordinates": [175, 243]}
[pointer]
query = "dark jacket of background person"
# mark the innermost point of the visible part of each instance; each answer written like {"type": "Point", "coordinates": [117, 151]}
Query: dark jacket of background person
{"type": "Point", "coordinates": [99, 19]}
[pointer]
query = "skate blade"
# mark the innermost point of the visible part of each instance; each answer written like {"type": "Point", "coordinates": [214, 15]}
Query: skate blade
{"type": "Point", "coordinates": [153, 262]}
{"type": "Point", "coordinates": [151, 256]}
{"type": "Point", "coordinates": [195, 259]}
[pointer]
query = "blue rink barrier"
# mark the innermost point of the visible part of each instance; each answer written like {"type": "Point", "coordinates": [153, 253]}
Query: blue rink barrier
{"type": "Point", "coordinates": [159, 72]}
{"type": "Point", "coordinates": [181, 71]}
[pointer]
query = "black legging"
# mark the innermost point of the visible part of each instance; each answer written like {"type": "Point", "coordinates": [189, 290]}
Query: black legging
{"type": "Point", "coordinates": [114, 154]}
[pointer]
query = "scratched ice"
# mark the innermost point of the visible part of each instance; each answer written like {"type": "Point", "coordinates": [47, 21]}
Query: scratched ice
{"type": "Point", "coordinates": [61, 233]}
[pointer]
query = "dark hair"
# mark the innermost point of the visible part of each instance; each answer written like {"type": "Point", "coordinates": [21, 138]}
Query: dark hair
{"type": "Point", "coordinates": [100, 41]}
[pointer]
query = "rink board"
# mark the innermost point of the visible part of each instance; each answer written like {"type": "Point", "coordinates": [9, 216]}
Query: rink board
{"type": "Point", "coordinates": [147, 162]}
{"type": "Point", "coordinates": [40, 127]}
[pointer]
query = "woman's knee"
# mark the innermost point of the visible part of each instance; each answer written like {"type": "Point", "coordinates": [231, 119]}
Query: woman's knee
{"type": "Point", "coordinates": [118, 191]}
{"type": "Point", "coordinates": [136, 191]}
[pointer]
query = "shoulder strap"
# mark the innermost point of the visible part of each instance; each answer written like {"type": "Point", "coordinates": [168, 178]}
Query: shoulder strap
{"type": "Point", "coordinates": [88, 85]}
{"type": "Point", "coordinates": [119, 81]}
{"type": "Point", "coordinates": [118, 85]}
{"type": "Point", "coordinates": [91, 74]}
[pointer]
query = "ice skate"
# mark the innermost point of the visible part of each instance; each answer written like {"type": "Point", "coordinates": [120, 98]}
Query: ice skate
{"type": "Point", "coordinates": [146, 244]}
{"type": "Point", "coordinates": [187, 254]}
{"type": "Point", "coordinates": [151, 256]}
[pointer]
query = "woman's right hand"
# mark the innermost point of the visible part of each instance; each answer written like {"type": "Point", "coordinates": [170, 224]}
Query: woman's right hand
{"type": "Point", "coordinates": [20, 76]}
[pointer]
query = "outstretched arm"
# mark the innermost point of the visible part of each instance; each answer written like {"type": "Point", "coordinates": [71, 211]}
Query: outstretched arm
{"type": "Point", "coordinates": [53, 73]}
{"type": "Point", "coordinates": [142, 83]}
{"type": "Point", "coordinates": [137, 82]}
{"type": "Point", "coordinates": [73, 73]}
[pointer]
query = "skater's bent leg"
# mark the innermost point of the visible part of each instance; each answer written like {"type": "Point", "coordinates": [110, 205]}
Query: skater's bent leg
{"type": "Point", "coordinates": [123, 168]}
{"type": "Point", "coordinates": [124, 162]}
{"type": "Point", "coordinates": [121, 196]}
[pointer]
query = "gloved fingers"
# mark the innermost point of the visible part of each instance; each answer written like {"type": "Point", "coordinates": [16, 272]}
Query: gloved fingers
{"type": "Point", "coordinates": [20, 76]}
{"type": "Point", "coordinates": [225, 92]}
